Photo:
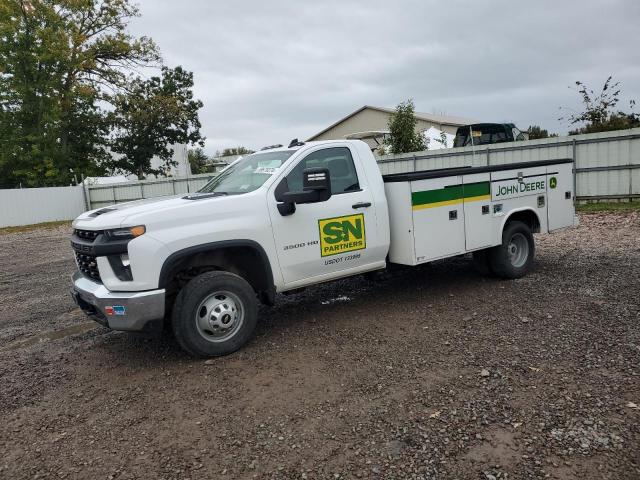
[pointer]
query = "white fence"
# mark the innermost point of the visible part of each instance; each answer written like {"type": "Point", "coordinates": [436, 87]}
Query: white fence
{"type": "Point", "coordinates": [102, 195]}
{"type": "Point", "coordinates": [607, 164]}
{"type": "Point", "coordinates": [607, 168]}
{"type": "Point", "coordinates": [25, 206]}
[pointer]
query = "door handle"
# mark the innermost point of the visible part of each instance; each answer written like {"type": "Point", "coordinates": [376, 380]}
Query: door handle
{"type": "Point", "coordinates": [361, 205]}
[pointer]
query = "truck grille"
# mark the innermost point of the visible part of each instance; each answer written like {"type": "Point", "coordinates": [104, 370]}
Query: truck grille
{"type": "Point", "coordinates": [87, 234]}
{"type": "Point", "coordinates": [88, 265]}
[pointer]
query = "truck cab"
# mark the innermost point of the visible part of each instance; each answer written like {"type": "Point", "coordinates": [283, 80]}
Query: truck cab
{"type": "Point", "coordinates": [245, 223]}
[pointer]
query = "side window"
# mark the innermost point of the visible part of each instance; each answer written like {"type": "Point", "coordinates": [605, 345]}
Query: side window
{"type": "Point", "coordinates": [341, 168]}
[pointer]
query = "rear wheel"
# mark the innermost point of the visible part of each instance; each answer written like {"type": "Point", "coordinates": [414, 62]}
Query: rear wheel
{"type": "Point", "coordinates": [214, 314]}
{"type": "Point", "coordinates": [514, 257]}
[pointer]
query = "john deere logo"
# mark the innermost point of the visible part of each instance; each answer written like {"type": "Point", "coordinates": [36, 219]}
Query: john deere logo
{"type": "Point", "coordinates": [342, 234]}
{"type": "Point", "coordinates": [553, 182]}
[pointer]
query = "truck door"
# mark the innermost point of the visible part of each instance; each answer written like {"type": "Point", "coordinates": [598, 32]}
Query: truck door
{"type": "Point", "coordinates": [438, 217]}
{"type": "Point", "coordinates": [329, 239]}
{"type": "Point", "coordinates": [560, 208]}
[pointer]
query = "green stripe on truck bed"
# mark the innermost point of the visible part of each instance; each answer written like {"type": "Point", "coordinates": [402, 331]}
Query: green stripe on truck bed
{"type": "Point", "coordinates": [450, 195]}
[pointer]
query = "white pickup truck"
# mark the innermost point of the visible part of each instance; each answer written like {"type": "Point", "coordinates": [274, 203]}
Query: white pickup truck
{"type": "Point", "coordinates": [287, 218]}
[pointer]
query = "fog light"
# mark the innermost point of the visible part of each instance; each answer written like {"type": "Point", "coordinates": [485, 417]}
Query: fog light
{"type": "Point", "coordinates": [124, 258]}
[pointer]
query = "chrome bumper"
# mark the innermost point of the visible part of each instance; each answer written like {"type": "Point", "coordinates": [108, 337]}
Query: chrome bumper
{"type": "Point", "coordinates": [129, 311]}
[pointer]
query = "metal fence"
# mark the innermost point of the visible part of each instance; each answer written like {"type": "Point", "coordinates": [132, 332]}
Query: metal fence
{"type": "Point", "coordinates": [102, 195]}
{"type": "Point", "coordinates": [25, 206]}
{"type": "Point", "coordinates": [607, 168]}
{"type": "Point", "coordinates": [607, 165]}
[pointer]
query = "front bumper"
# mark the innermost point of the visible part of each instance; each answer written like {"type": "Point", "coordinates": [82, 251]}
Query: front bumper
{"type": "Point", "coordinates": [130, 311]}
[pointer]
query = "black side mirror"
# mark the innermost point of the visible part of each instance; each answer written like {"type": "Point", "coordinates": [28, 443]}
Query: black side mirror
{"type": "Point", "coordinates": [317, 180]}
{"type": "Point", "coordinates": [316, 187]}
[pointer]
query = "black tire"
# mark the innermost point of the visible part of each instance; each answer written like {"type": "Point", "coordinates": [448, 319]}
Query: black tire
{"type": "Point", "coordinates": [197, 297]}
{"type": "Point", "coordinates": [504, 262]}
{"type": "Point", "coordinates": [482, 263]}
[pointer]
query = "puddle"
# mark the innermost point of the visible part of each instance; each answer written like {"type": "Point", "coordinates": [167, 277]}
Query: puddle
{"type": "Point", "coordinates": [52, 335]}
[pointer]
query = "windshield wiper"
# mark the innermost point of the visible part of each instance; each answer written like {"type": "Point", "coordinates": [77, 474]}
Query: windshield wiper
{"type": "Point", "coordinates": [202, 195]}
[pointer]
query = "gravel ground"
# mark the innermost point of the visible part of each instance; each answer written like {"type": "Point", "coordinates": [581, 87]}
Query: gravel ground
{"type": "Point", "coordinates": [432, 372]}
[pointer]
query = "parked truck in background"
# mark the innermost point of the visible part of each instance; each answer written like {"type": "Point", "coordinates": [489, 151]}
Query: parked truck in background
{"type": "Point", "coordinates": [487, 134]}
{"type": "Point", "coordinates": [287, 218]}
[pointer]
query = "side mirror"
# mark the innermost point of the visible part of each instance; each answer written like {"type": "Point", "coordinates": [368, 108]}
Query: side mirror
{"type": "Point", "coordinates": [317, 180]}
{"type": "Point", "coordinates": [316, 187]}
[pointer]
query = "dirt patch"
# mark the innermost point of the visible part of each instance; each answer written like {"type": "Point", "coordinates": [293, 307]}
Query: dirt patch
{"type": "Point", "coordinates": [432, 372]}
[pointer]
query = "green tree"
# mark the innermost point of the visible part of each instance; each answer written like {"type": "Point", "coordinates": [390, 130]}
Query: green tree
{"type": "Point", "coordinates": [58, 59]}
{"type": "Point", "coordinates": [599, 112]}
{"type": "Point", "coordinates": [198, 161]}
{"type": "Point", "coordinates": [151, 117]}
{"type": "Point", "coordinates": [535, 132]}
{"type": "Point", "coordinates": [227, 152]}
{"type": "Point", "coordinates": [615, 121]}
{"type": "Point", "coordinates": [402, 127]}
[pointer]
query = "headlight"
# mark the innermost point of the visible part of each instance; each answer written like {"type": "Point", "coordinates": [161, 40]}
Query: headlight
{"type": "Point", "coordinates": [128, 232]}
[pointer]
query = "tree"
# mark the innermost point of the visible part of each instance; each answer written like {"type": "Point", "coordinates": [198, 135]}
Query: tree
{"type": "Point", "coordinates": [535, 132]}
{"type": "Point", "coordinates": [197, 161]}
{"type": "Point", "coordinates": [151, 117]}
{"type": "Point", "coordinates": [402, 127]}
{"type": "Point", "coordinates": [58, 59]}
{"type": "Point", "coordinates": [228, 152]}
{"type": "Point", "coordinates": [615, 121]}
{"type": "Point", "coordinates": [599, 114]}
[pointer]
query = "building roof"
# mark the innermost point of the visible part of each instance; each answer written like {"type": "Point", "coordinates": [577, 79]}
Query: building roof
{"type": "Point", "coordinates": [428, 117]}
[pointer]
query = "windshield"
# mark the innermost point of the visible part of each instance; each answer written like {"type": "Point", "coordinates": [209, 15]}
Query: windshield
{"type": "Point", "coordinates": [247, 174]}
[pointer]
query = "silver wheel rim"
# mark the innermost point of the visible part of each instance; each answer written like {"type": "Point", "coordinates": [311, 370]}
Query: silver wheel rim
{"type": "Point", "coordinates": [219, 316]}
{"type": "Point", "coordinates": [518, 250]}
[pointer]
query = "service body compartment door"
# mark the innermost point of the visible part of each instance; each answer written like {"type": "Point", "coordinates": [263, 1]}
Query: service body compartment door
{"type": "Point", "coordinates": [479, 223]}
{"type": "Point", "coordinates": [438, 217]}
{"type": "Point", "coordinates": [523, 188]}
{"type": "Point", "coordinates": [560, 193]}
{"type": "Point", "coordinates": [518, 183]}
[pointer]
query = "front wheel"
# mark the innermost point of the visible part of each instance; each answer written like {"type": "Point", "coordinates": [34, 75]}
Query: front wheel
{"type": "Point", "coordinates": [514, 257]}
{"type": "Point", "coordinates": [214, 314]}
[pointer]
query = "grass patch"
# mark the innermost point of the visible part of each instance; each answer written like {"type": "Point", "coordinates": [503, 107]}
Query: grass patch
{"type": "Point", "coordinates": [608, 207]}
{"type": "Point", "coordinates": [35, 226]}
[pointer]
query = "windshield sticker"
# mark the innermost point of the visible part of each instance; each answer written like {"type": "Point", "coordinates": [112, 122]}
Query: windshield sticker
{"type": "Point", "coordinates": [265, 170]}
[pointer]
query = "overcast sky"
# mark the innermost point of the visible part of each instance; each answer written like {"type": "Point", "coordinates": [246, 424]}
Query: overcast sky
{"type": "Point", "coordinates": [269, 71]}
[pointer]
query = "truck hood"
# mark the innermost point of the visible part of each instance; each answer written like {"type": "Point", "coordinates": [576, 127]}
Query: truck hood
{"type": "Point", "coordinates": [116, 215]}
